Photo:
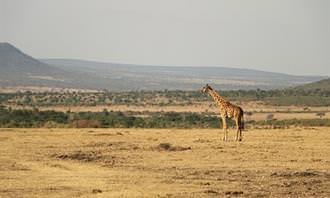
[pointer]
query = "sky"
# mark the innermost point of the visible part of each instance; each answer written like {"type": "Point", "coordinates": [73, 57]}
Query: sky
{"type": "Point", "coordinates": [287, 36]}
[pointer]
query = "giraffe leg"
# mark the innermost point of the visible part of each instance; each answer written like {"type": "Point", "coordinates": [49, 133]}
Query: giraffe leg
{"type": "Point", "coordinates": [240, 129]}
{"type": "Point", "coordinates": [224, 123]}
{"type": "Point", "coordinates": [237, 129]}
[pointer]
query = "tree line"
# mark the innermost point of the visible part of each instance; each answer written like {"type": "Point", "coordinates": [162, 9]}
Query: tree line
{"type": "Point", "coordinates": [108, 119]}
{"type": "Point", "coordinates": [300, 97]}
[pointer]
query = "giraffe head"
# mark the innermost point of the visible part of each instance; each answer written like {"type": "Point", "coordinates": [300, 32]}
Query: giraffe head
{"type": "Point", "coordinates": [206, 88]}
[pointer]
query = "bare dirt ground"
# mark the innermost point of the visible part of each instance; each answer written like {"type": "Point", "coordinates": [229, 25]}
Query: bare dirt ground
{"type": "Point", "coordinates": [164, 163]}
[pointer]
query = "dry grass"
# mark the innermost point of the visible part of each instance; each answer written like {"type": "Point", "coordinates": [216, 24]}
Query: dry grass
{"type": "Point", "coordinates": [164, 163]}
{"type": "Point", "coordinates": [261, 111]}
{"type": "Point", "coordinates": [197, 107]}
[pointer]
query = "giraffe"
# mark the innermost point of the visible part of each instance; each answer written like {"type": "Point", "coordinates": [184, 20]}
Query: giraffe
{"type": "Point", "coordinates": [227, 110]}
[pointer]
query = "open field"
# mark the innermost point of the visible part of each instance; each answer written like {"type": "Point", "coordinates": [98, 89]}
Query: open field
{"type": "Point", "coordinates": [198, 107]}
{"type": "Point", "coordinates": [260, 112]}
{"type": "Point", "coordinates": [139, 163]}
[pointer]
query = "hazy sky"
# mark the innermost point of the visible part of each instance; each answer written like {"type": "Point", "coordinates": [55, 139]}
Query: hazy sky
{"type": "Point", "coordinates": [290, 36]}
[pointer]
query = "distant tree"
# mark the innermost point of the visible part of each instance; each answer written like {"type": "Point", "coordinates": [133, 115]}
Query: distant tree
{"type": "Point", "coordinates": [306, 109]}
{"type": "Point", "coordinates": [105, 111]}
{"type": "Point", "coordinates": [270, 116]}
{"type": "Point", "coordinates": [248, 113]}
{"type": "Point", "coordinates": [320, 114]}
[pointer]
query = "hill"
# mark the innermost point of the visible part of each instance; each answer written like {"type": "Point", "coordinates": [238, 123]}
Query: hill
{"type": "Point", "coordinates": [322, 85]}
{"type": "Point", "coordinates": [20, 69]}
{"type": "Point", "coordinates": [17, 68]}
{"type": "Point", "coordinates": [133, 77]}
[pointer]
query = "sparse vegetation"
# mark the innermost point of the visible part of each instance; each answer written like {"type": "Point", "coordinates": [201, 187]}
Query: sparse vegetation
{"type": "Point", "coordinates": [80, 156]}
{"type": "Point", "coordinates": [21, 109]}
{"type": "Point", "coordinates": [169, 147]}
{"type": "Point", "coordinates": [299, 97]}
{"type": "Point", "coordinates": [270, 117]}
{"type": "Point", "coordinates": [106, 119]}
{"type": "Point", "coordinates": [320, 114]}
{"type": "Point", "coordinates": [173, 149]}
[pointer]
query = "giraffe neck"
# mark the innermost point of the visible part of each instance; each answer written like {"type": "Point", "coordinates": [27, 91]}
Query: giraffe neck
{"type": "Point", "coordinates": [217, 98]}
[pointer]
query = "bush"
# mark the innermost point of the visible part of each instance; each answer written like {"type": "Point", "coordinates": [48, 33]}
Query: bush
{"type": "Point", "coordinates": [36, 118]}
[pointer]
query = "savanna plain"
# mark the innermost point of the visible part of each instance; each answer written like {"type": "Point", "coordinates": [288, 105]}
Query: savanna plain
{"type": "Point", "coordinates": [72, 162]}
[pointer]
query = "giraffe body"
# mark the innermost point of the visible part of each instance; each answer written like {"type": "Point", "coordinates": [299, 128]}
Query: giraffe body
{"type": "Point", "coordinates": [227, 110]}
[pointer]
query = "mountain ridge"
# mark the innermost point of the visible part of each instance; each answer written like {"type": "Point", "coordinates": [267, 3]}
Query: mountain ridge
{"type": "Point", "coordinates": [20, 69]}
{"type": "Point", "coordinates": [176, 66]}
{"type": "Point", "coordinates": [215, 75]}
